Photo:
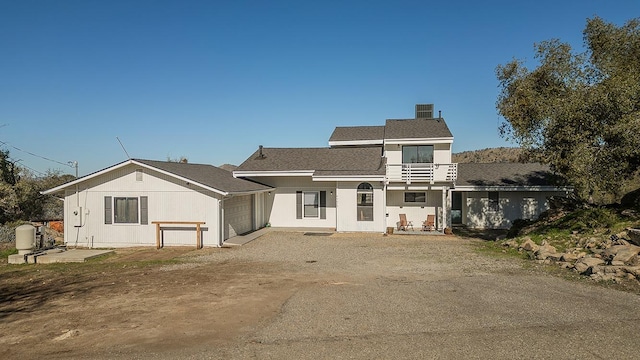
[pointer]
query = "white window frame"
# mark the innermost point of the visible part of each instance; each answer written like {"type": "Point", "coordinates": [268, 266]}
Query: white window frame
{"type": "Point", "coordinates": [360, 206]}
{"type": "Point", "coordinates": [115, 210]}
{"type": "Point", "coordinates": [416, 159]}
{"type": "Point", "coordinates": [316, 205]}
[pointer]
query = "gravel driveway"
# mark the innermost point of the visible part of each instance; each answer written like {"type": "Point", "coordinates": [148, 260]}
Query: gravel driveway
{"type": "Point", "coordinates": [414, 297]}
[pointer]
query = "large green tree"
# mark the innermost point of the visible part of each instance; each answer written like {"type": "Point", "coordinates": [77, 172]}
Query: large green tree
{"type": "Point", "coordinates": [579, 111]}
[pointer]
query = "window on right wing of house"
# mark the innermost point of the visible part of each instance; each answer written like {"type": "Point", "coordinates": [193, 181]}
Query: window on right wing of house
{"type": "Point", "coordinates": [494, 201]}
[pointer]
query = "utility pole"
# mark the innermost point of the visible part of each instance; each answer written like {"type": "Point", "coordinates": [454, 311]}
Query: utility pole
{"type": "Point", "coordinates": [74, 164]}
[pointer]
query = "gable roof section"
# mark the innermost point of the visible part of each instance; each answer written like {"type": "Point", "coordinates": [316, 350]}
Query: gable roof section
{"type": "Point", "coordinates": [417, 129]}
{"type": "Point", "coordinates": [206, 176]}
{"type": "Point", "coordinates": [357, 135]}
{"type": "Point", "coordinates": [348, 161]}
{"type": "Point", "coordinates": [506, 175]}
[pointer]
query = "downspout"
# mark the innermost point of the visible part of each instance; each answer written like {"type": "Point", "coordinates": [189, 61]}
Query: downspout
{"type": "Point", "coordinates": [449, 202]}
{"type": "Point", "coordinates": [220, 222]}
{"type": "Point", "coordinates": [445, 208]}
{"type": "Point", "coordinates": [384, 200]}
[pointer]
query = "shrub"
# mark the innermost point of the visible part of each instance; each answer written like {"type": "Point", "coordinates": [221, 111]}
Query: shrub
{"type": "Point", "coordinates": [588, 219]}
{"type": "Point", "coordinates": [517, 226]}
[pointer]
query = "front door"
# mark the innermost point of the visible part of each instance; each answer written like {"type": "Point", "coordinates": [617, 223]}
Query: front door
{"type": "Point", "coordinates": [456, 207]}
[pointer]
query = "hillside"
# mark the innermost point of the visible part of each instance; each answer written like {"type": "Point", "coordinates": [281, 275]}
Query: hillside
{"type": "Point", "coordinates": [489, 155]}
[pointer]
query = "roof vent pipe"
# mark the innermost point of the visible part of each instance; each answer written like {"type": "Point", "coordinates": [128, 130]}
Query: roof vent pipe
{"type": "Point", "coordinates": [260, 154]}
{"type": "Point", "coordinates": [439, 114]}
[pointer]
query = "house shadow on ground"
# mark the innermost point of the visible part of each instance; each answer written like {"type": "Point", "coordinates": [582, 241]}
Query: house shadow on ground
{"type": "Point", "coordinates": [484, 234]}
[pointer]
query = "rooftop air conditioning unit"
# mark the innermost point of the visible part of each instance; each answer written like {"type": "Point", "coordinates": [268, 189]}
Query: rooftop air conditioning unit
{"type": "Point", "coordinates": [424, 111]}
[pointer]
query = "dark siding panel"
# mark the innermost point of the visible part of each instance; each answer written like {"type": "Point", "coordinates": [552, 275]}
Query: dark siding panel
{"type": "Point", "coordinates": [108, 217]}
{"type": "Point", "coordinates": [298, 204]}
{"type": "Point", "coordinates": [323, 204]}
{"type": "Point", "coordinates": [144, 210]}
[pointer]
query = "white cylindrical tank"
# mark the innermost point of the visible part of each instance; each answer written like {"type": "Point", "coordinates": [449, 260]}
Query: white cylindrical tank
{"type": "Point", "coordinates": [25, 239]}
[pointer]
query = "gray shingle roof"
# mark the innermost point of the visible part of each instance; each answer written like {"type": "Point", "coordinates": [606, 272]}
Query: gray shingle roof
{"type": "Point", "coordinates": [416, 129]}
{"type": "Point", "coordinates": [326, 161]}
{"type": "Point", "coordinates": [356, 133]}
{"type": "Point", "coordinates": [504, 174]}
{"type": "Point", "coordinates": [207, 175]}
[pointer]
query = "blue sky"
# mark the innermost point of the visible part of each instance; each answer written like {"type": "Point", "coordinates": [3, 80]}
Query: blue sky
{"type": "Point", "coordinates": [213, 80]}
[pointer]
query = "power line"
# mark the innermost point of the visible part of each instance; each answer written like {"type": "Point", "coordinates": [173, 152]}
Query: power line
{"type": "Point", "coordinates": [25, 166]}
{"type": "Point", "coordinates": [36, 155]}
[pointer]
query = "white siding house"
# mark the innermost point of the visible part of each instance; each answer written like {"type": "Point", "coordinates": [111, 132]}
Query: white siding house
{"type": "Point", "coordinates": [371, 175]}
{"type": "Point", "coordinates": [320, 187]}
{"type": "Point", "coordinates": [493, 195]}
{"type": "Point", "coordinates": [117, 207]}
{"type": "Point", "coordinates": [365, 181]}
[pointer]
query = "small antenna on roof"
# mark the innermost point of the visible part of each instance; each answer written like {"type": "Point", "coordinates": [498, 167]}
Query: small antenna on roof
{"type": "Point", "coordinates": [125, 150]}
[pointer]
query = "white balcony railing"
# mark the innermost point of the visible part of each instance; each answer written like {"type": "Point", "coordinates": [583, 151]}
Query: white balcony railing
{"type": "Point", "coordinates": [422, 173]}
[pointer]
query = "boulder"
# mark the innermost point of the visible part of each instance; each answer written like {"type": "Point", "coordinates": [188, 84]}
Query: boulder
{"type": "Point", "coordinates": [627, 255]}
{"type": "Point", "coordinates": [565, 265]}
{"type": "Point", "coordinates": [580, 267]}
{"type": "Point", "coordinates": [554, 256]}
{"type": "Point", "coordinates": [634, 236]}
{"type": "Point", "coordinates": [569, 257]}
{"type": "Point", "coordinates": [588, 265]}
{"type": "Point", "coordinates": [546, 251]}
{"type": "Point", "coordinates": [635, 270]}
{"type": "Point", "coordinates": [596, 269]}
{"type": "Point", "coordinates": [591, 261]}
{"type": "Point", "coordinates": [529, 245]}
{"type": "Point", "coordinates": [510, 244]}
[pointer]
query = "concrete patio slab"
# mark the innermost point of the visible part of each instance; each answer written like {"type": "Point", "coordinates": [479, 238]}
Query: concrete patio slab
{"type": "Point", "coordinates": [74, 255]}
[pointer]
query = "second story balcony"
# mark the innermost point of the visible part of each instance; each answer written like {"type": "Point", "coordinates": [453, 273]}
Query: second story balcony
{"type": "Point", "coordinates": [422, 173]}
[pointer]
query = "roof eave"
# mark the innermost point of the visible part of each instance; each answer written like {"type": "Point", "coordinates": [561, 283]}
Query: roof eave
{"type": "Point", "coordinates": [88, 177]}
{"type": "Point", "coordinates": [355, 142]}
{"type": "Point", "coordinates": [257, 173]}
{"type": "Point", "coordinates": [348, 178]}
{"type": "Point", "coordinates": [250, 192]}
{"type": "Point", "coordinates": [123, 164]}
{"type": "Point", "coordinates": [511, 188]}
{"type": "Point", "coordinates": [440, 140]}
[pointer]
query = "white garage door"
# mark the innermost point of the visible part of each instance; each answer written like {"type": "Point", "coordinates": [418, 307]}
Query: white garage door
{"type": "Point", "coordinates": [237, 214]}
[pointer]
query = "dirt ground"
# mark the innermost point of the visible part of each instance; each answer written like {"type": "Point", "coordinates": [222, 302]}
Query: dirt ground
{"type": "Point", "coordinates": [140, 298]}
{"type": "Point", "coordinates": [145, 301]}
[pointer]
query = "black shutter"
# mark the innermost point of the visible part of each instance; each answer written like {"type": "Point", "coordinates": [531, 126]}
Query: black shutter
{"type": "Point", "coordinates": [323, 204]}
{"type": "Point", "coordinates": [144, 210]}
{"type": "Point", "coordinates": [108, 217]}
{"type": "Point", "coordinates": [298, 204]}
